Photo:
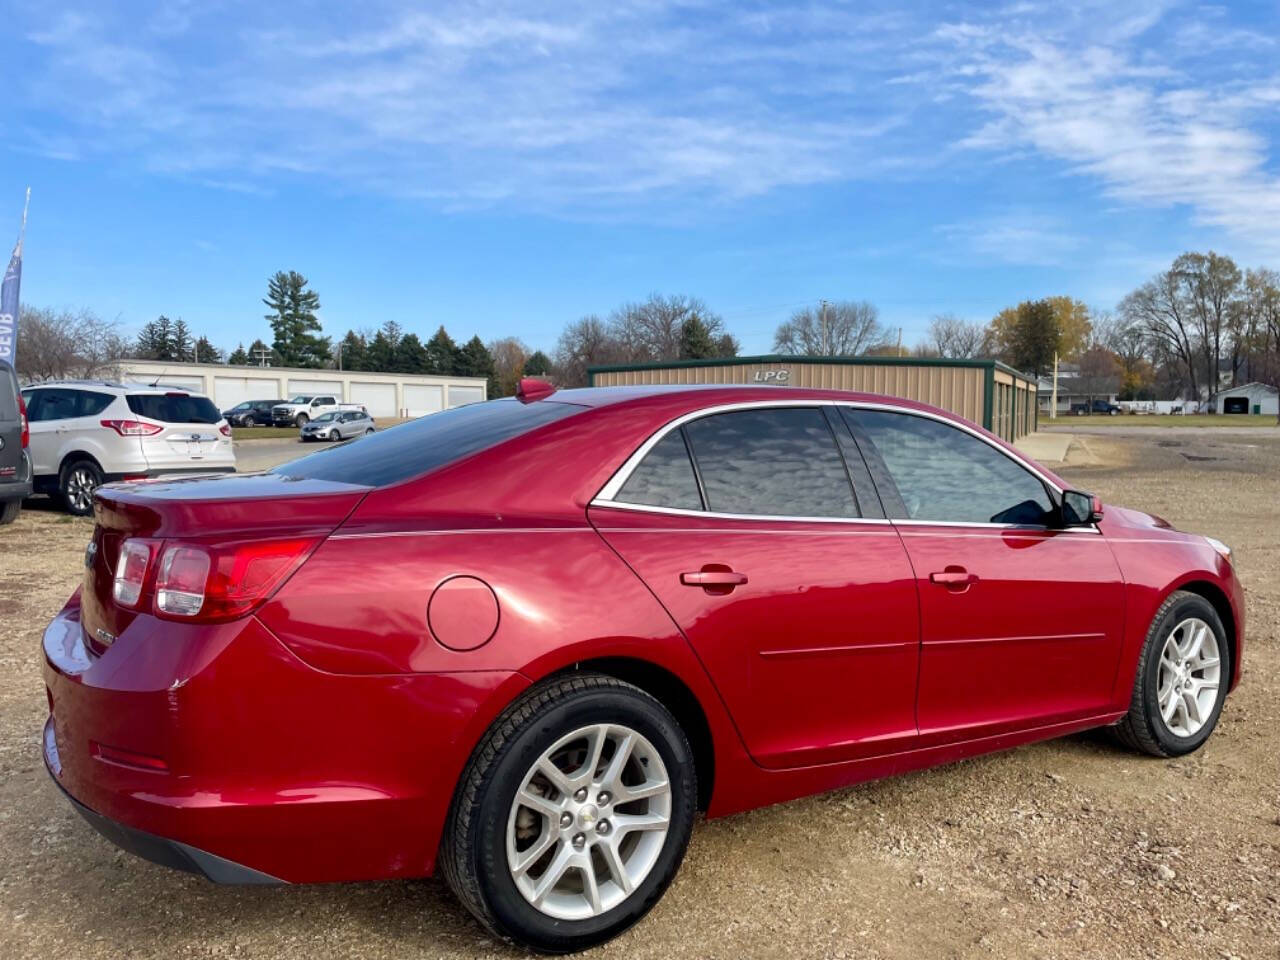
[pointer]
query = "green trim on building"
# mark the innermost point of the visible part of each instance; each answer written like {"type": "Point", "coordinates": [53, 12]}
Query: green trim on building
{"type": "Point", "coordinates": [988, 396]}
{"type": "Point", "coordinates": [990, 365]}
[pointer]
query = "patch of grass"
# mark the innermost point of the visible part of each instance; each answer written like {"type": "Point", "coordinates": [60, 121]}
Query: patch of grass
{"type": "Point", "coordinates": [1163, 420]}
{"type": "Point", "coordinates": [264, 433]}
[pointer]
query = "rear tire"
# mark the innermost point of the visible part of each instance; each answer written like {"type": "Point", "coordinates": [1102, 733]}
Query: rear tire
{"type": "Point", "coordinates": [76, 485]}
{"type": "Point", "coordinates": [1173, 711]}
{"type": "Point", "coordinates": [480, 852]}
{"type": "Point", "coordinates": [9, 511]}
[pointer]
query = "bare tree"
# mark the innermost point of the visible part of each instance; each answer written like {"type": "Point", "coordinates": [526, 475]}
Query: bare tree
{"type": "Point", "coordinates": [1160, 308]}
{"type": "Point", "coordinates": [949, 336]}
{"type": "Point", "coordinates": [65, 344]}
{"type": "Point", "coordinates": [1264, 304]}
{"type": "Point", "coordinates": [585, 343]}
{"type": "Point", "coordinates": [651, 331]}
{"type": "Point", "coordinates": [1211, 287]}
{"type": "Point", "coordinates": [843, 329]}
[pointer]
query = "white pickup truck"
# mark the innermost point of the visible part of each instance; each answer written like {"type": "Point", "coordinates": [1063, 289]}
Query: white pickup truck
{"type": "Point", "coordinates": [300, 410]}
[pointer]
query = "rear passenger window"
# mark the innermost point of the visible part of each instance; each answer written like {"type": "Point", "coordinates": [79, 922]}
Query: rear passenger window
{"type": "Point", "coordinates": [664, 478]}
{"type": "Point", "coordinates": [782, 462]}
{"type": "Point", "coordinates": [948, 475]}
{"type": "Point", "coordinates": [90, 404]}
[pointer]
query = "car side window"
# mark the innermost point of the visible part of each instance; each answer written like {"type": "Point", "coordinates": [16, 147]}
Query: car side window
{"type": "Point", "coordinates": [664, 478]}
{"type": "Point", "coordinates": [771, 462]}
{"type": "Point", "coordinates": [52, 404]}
{"type": "Point", "coordinates": [948, 475]}
{"type": "Point", "coordinates": [89, 403]}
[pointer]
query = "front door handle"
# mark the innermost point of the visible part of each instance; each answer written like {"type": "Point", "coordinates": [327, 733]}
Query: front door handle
{"type": "Point", "coordinates": [714, 578]}
{"type": "Point", "coordinates": [954, 578]}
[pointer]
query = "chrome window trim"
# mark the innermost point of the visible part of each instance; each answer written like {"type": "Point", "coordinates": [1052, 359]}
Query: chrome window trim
{"type": "Point", "coordinates": [775, 518]}
{"type": "Point", "coordinates": [610, 490]}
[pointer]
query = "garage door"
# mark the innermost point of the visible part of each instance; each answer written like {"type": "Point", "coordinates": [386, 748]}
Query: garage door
{"type": "Point", "coordinates": [378, 398]}
{"type": "Point", "coordinates": [316, 386]}
{"type": "Point", "coordinates": [228, 391]}
{"type": "Point", "coordinates": [419, 400]}
{"type": "Point", "coordinates": [463, 395]}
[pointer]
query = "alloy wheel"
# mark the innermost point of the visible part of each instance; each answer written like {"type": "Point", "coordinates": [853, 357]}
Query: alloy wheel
{"type": "Point", "coordinates": [588, 822]}
{"type": "Point", "coordinates": [1190, 673]}
{"type": "Point", "coordinates": [81, 483]}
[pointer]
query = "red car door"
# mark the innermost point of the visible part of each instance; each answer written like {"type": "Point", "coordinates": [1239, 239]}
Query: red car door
{"type": "Point", "coordinates": [1021, 621]}
{"type": "Point", "coordinates": [796, 594]}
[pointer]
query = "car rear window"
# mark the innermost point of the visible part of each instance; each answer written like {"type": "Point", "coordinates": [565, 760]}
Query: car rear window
{"type": "Point", "coordinates": [174, 407]}
{"type": "Point", "coordinates": [413, 448]}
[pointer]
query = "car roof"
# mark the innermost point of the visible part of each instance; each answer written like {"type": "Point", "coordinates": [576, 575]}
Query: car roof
{"type": "Point", "coordinates": [712, 394]}
{"type": "Point", "coordinates": [116, 385]}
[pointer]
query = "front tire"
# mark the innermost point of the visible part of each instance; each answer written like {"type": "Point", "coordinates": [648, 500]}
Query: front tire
{"type": "Point", "coordinates": [301, 421]}
{"type": "Point", "coordinates": [77, 484]}
{"type": "Point", "coordinates": [248, 421]}
{"type": "Point", "coordinates": [573, 814]}
{"type": "Point", "coordinates": [1181, 684]}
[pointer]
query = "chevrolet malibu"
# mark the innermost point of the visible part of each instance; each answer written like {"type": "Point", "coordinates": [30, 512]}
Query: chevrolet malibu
{"type": "Point", "coordinates": [524, 642]}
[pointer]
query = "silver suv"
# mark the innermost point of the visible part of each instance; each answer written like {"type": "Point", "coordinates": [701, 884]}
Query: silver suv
{"type": "Point", "coordinates": [86, 433]}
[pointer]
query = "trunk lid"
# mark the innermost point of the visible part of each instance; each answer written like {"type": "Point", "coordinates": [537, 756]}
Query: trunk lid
{"type": "Point", "coordinates": [228, 506]}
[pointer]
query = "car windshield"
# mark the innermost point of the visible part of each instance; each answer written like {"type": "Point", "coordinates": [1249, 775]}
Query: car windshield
{"type": "Point", "coordinates": [300, 400]}
{"type": "Point", "coordinates": [420, 445]}
{"type": "Point", "coordinates": [324, 417]}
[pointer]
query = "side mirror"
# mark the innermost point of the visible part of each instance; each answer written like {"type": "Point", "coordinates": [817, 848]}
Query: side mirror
{"type": "Point", "coordinates": [1080, 509]}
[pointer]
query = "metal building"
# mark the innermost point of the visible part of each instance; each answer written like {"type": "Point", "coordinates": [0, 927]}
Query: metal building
{"type": "Point", "coordinates": [383, 394]}
{"type": "Point", "coordinates": [984, 391]}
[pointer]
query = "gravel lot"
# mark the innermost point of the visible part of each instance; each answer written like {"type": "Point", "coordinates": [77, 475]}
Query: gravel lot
{"type": "Point", "coordinates": [1073, 848]}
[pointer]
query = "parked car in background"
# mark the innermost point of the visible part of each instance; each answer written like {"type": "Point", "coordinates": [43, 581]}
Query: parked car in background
{"type": "Point", "coordinates": [15, 465]}
{"type": "Point", "coordinates": [250, 413]}
{"type": "Point", "coordinates": [338, 425]}
{"type": "Point", "coordinates": [303, 408]}
{"type": "Point", "coordinates": [86, 433]}
{"type": "Point", "coordinates": [1082, 408]}
{"type": "Point", "coordinates": [523, 642]}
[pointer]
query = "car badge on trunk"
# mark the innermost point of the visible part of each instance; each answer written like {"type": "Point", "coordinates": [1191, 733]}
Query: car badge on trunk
{"type": "Point", "coordinates": [90, 552]}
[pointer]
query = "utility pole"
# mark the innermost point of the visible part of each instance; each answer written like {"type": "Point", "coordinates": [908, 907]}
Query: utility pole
{"type": "Point", "coordinates": [899, 341]}
{"type": "Point", "coordinates": [1053, 405]}
{"type": "Point", "coordinates": [822, 321]}
{"type": "Point", "coordinates": [339, 356]}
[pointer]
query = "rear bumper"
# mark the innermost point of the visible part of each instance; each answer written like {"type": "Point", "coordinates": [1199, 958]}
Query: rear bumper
{"type": "Point", "coordinates": [159, 850]}
{"type": "Point", "coordinates": [215, 748]}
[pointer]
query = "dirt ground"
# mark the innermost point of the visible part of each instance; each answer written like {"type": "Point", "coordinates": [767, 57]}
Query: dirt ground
{"type": "Point", "coordinates": [1073, 848]}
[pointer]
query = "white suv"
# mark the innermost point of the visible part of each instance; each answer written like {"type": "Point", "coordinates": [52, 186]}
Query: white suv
{"type": "Point", "coordinates": [86, 433]}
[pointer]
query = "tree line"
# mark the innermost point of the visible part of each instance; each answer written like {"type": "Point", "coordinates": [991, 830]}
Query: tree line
{"type": "Point", "coordinates": [1195, 327]}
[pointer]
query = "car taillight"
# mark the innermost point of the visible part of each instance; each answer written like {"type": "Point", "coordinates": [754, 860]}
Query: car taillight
{"type": "Point", "coordinates": [225, 580]}
{"type": "Point", "coordinates": [26, 426]}
{"type": "Point", "coordinates": [225, 430]}
{"type": "Point", "coordinates": [131, 571]}
{"type": "Point", "coordinates": [133, 428]}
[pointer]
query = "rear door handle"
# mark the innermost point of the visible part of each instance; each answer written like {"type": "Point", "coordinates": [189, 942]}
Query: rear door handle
{"type": "Point", "coordinates": [713, 578]}
{"type": "Point", "coordinates": [954, 578]}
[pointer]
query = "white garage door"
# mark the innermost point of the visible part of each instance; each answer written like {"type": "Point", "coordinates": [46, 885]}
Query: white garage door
{"type": "Point", "coordinates": [228, 391]}
{"type": "Point", "coordinates": [193, 384]}
{"type": "Point", "coordinates": [378, 398]}
{"type": "Point", "coordinates": [463, 395]}
{"type": "Point", "coordinates": [316, 386]}
{"type": "Point", "coordinates": [419, 399]}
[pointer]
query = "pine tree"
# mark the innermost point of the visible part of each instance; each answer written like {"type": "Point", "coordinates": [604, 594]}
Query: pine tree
{"type": "Point", "coordinates": [475, 360]}
{"type": "Point", "coordinates": [353, 351]}
{"type": "Point", "coordinates": [206, 352]}
{"type": "Point", "coordinates": [538, 365]}
{"type": "Point", "coordinates": [293, 321]}
{"type": "Point", "coordinates": [695, 339]}
{"type": "Point", "coordinates": [380, 356]}
{"type": "Point", "coordinates": [155, 340]}
{"type": "Point", "coordinates": [183, 345]}
{"type": "Point", "coordinates": [442, 354]}
{"type": "Point", "coordinates": [411, 355]}
{"type": "Point", "coordinates": [238, 356]}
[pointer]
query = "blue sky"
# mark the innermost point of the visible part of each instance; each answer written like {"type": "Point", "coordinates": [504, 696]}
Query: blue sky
{"type": "Point", "coordinates": [503, 168]}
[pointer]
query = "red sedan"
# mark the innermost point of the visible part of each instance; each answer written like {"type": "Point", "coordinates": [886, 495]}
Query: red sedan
{"type": "Point", "coordinates": [524, 641]}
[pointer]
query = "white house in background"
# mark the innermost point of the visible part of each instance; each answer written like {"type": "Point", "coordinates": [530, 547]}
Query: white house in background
{"type": "Point", "coordinates": [383, 394]}
{"type": "Point", "coordinates": [1248, 398]}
